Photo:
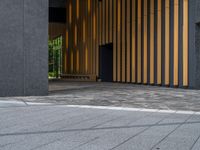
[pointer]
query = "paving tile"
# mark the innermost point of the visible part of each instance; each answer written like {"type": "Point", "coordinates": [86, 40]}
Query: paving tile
{"type": "Point", "coordinates": [59, 127]}
{"type": "Point", "coordinates": [182, 138]}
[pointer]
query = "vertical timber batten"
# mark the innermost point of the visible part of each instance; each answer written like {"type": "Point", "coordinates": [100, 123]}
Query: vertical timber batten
{"type": "Point", "coordinates": [185, 43]}
{"type": "Point", "coordinates": [118, 40]}
{"type": "Point", "coordinates": [128, 38]}
{"type": "Point", "coordinates": [167, 42]}
{"type": "Point", "coordinates": [139, 42]}
{"type": "Point", "coordinates": [114, 41]}
{"type": "Point", "coordinates": [152, 42]}
{"type": "Point", "coordinates": [123, 50]}
{"type": "Point", "coordinates": [176, 41]}
{"type": "Point", "coordinates": [159, 44]}
{"type": "Point", "coordinates": [133, 42]}
{"type": "Point", "coordinates": [145, 58]}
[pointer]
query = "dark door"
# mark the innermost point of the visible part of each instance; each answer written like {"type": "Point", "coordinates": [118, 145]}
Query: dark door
{"type": "Point", "coordinates": [106, 63]}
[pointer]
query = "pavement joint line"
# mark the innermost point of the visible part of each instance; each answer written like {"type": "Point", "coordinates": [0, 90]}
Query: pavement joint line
{"type": "Point", "coordinates": [134, 109]}
{"type": "Point", "coordinates": [176, 128]}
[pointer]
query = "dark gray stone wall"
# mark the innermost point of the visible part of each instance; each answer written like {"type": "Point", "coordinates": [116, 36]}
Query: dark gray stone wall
{"type": "Point", "coordinates": [23, 47]}
{"type": "Point", "coordinates": [194, 44]}
{"type": "Point", "coordinates": [197, 15]}
{"type": "Point", "coordinates": [192, 58]}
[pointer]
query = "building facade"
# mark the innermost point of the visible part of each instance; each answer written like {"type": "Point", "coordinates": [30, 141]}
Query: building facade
{"type": "Point", "coordinates": [154, 42]}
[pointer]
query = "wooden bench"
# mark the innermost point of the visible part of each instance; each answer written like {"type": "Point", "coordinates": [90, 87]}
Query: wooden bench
{"type": "Point", "coordinates": [73, 77]}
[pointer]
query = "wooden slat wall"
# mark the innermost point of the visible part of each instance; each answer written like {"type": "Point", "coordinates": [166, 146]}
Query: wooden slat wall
{"type": "Point", "coordinates": [135, 27]}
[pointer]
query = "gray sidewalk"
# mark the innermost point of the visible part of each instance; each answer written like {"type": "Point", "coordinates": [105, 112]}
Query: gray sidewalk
{"type": "Point", "coordinates": [62, 127]}
{"type": "Point", "coordinates": [102, 116]}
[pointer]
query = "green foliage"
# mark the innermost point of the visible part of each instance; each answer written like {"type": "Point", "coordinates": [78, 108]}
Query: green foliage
{"type": "Point", "coordinates": [55, 54]}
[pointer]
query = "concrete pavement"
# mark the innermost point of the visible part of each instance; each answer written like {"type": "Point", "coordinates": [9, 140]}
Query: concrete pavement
{"type": "Point", "coordinates": [102, 116]}
{"type": "Point", "coordinates": [58, 127]}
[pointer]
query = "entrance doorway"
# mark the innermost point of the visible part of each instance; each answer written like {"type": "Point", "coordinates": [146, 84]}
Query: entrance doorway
{"type": "Point", "coordinates": [106, 63]}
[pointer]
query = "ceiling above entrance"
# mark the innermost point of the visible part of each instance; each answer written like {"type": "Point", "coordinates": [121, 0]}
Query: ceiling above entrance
{"type": "Point", "coordinates": [57, 3]}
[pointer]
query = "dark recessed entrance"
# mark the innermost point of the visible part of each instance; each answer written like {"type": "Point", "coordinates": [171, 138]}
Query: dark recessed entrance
{"type": "Point", "coordinates": [106, 63]}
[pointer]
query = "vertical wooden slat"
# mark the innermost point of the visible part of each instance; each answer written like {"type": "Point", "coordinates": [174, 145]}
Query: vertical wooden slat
{"type": "Point", "coordinates": [84, 10]}
{"type": "Point", "coordinates": [103, 22]}
{"type": "Point", "coordinates": [73, 51]}
{"type": "Point", "coordinates": [152, 42]}
{"type": "Point", "coordinates": [110, 21]}
{"type": "Point", "coordinates": [87, 11]}
{"type": "Point", "coordinates": [75, 35]}
{"type": "Point", "coordinates": [72, 61]}
{"type": "Point", "coordinates": [114, 40]}
{"type": "Point", "coordinates": [107, 20]}
{"type": "Point", "coordinates": [86, 60]}
{"type": "Point", "coordinates": [80, 38]}
{"type": "Point", "coordinates": [100, 22]}
{"type": "Point", "coordinates": [128, 38]}
{"type": "Point", "coordinates": [167, 40]}
{"type": "Point", "coordinates": [159, 39]}
{"type": "Point", "coordinates": [84, 31]}
{"type": "Point", "coordinates": [67, 47]}
{"type": "Point", "coordinates": [87, 35]}
{"type": "Point", "coordinates": [67, 39]}
{"type": "Point", "coordinates": [119, 40]}
{"type": "Point", "coordinates": [70, 34]}
{"type": "Point", "coordinates": [70, 12]}
{"type": "Point", "coordinates": [97, 36]}
{"type": "Point", "coordinates": [77, 61]}
{"type": "Point", "coordinates": [89, 6]}
{"type": "Point", "coordinates": [145, 43]}
{"type": "Point", "coordinates": [77, 9]}
{"type": "Point", "coordinates": [93, 37]}
{"type": "Point", "coordinates": [89, 39]}
{"type": "Point", "coordinates": [133, 43]}
{"type": "Point", "coordinates": [185, 42]}
{"type": "Point", "coordinates": [75, 48]}
{"type": "Point", "coordinates": [123, 41]}
{"type": "Point", "coordinates": [74, 27]}
{"type": "Point", "coordinates": [139, 44]}
{"type": "Point", "coordinates": [176, 47]}
{"type": "Point", "coordinates": [67, 35]}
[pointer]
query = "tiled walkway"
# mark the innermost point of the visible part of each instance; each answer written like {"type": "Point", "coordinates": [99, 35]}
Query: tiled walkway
{"type": "Point", "coordinates": [69, 128]}
{"type": "Point", "coordinates": [102, 116]}
{"type": "Point", "coordinates": [115, 94]}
